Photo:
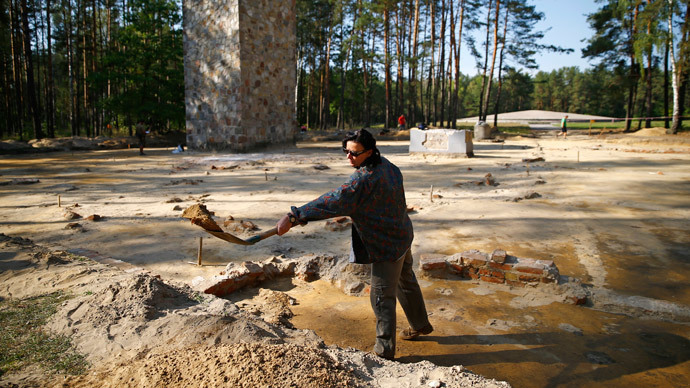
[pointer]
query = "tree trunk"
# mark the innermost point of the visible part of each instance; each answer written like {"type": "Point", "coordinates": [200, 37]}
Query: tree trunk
{"type": "Point", "coordinates": [9, 108]}
{"type": "Point", "coordinates": [666, 120]}
{"type": "Point", "coordinates": [15, 47]}
{"type": "Point", "coordinates": [325, 86]}
{"type": "Point", "coordinates": [500, 67]}
{"type": "Point", "coordinates": [449, 73]}
{"type": "Point", "coordinates": [299, 85]}
{"type": "Point", "coordinates": [30, 82]}
{"type": "Point", "coordinates": [50, 103]}
{"type": "Point", "coordinates": [387, 64]}
{"type": "Point", "coordinates": [676, 71]}
{"type": "Point", "coordinates": [94, 58]}
{"type": "Point", "coordinates": [431, 82]}
{"type": "Point", "coordinates": [456, 94]}
{"type": "Point", "coordinates": [108, 47]}
{"type": "Point", "coordinates": [67, 14]}
{"type": "Point", "coordinates": [486, 61]}
{"type": "Point", "coordinates": [413, 65]}
{"type": "Point", "coordinates": [422, 105]}
{"type": "Point", "coordinates": [344, 61]}
{"type": "Point", "coordinates": [442, 64]}
{"type": "Point", "coordinates": [633, 72]}
{"type": "Point", "coordinates": [310, 90]}
{"type": "Point", "coordinates": [399, 49]}
{"type": "Point", "coordinates": [490, 79]}
{"type": "Point", "coordinates": [684, 53]}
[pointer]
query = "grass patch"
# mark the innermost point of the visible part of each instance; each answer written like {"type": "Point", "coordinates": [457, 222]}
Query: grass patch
{"type": "Point", "coordinates": [616, 125]}
{"type": "Point", "coordinates": [515, 129]}
{"type": "Point", "coordinates": [23, 342]}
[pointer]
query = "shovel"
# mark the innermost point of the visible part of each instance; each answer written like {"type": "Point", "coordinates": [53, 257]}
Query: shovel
{"type": "Point", "coordinates": [236, 240]}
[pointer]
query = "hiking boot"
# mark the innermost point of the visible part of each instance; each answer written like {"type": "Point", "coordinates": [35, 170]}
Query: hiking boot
{"type": "Point", "coordinates": [389, 358]}
{"type": "Point", "coordinates": [410, 333]}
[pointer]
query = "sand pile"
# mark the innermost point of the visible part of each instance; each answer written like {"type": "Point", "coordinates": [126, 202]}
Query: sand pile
{"type": "Point", "coordinates": [225, 365]}
{"type": "Point", "coordinates": [656, 131]}
{"type": "Point", "coordinates": [141, 312]}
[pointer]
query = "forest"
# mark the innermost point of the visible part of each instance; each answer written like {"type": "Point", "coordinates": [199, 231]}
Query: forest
{"type": "Point", "coordinates": [96, 67]}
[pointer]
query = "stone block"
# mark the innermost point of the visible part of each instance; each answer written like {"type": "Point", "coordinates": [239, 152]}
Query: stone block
{"type": "Point", "coordinates": [354, 287]}
{"type": "Point", "coordinates": [455, 259]}
{"type": "Point", "coordinates": [501, 266]}
{"type": "Point", "coordinates": [491, 279]}
{"type": "Point", "coordinates": [474, 258]}
{"type": "Point", "coordinates": [529, 279]}
{"type": "Point", "coordinates": [431, 261]}
{"type": "Point", "coordinates": [546, 263]}
{"type": "Point", "coordinates": [223, 57]}
{"type": "Point", "coordinates": [307, 270]}
{"type": "Point", "coordinates": [492, 272]}
{"type": "Point", "coordinates": [498, 256]}
{"type": "Point", "coordinates": [530, 266]}
{"type": "Point", "coordinates": [253, 270]}
{"type": "Point", "coordinates": [456, 268]}
{"type": "Point", "coordinates": [514, 283]}
{"type": "Point", "coordinates": [442, 141]}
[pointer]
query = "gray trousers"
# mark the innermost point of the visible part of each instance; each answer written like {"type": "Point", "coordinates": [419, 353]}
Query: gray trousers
{"type": "Point", "coordinates": [388, 280]}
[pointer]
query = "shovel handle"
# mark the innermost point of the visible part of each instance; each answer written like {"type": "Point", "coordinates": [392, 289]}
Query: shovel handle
{"type": "Point", "coordinates": [259, 237]}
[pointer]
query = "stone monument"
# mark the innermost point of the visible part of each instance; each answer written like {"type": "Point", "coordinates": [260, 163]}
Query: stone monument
{"type": "Point", "coordinates": [240, 73]}
{"type": "Point", "coordinates": [449, 142]}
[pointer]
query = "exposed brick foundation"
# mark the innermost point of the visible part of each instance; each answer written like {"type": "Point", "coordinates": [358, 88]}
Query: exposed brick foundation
{"type": "Point", "coordinates": [496, 267]}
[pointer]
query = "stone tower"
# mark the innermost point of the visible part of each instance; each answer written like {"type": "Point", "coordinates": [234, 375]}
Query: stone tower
{"type": "Point", "coordinates": [239, 70]}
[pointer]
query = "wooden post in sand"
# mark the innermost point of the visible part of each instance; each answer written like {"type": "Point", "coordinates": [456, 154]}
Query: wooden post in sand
{"type": "Point", "coordinates": [431, 194]}
{"type": "Point", "coordinates": [59, 204]}
{"type": "Point", "coordinates": [198, 255]}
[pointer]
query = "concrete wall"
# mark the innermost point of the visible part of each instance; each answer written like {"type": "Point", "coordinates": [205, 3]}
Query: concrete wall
{"type": "Point", "coordinates": [240, 73]}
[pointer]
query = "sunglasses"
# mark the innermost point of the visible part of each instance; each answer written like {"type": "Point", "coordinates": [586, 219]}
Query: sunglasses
{"type": "Point", "coordinates": [353, 153]}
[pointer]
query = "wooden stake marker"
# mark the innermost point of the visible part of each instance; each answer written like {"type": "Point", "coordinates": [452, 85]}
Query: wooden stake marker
{"type": "Point", "coordinates": [198, 256]}
{"type": "Point", "coordinates": [59, 204]}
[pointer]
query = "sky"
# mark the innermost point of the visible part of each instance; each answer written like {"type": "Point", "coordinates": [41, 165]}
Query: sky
{"type": "Point", "coordinates": [566, 21]}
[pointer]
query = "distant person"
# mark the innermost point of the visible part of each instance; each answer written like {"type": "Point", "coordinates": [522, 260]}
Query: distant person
{"type": "Point", "coordinates": [564, 127]}
{"type": "Point", "coordinates": [141, 135]}
{"type": "Point", "coordinates": [401, 123]}
{"type": "Point", "coordinates": [421, 126]}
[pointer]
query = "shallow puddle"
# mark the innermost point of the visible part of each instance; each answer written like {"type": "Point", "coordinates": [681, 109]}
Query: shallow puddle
{"type": "Point", "coordinates": [548, 346]}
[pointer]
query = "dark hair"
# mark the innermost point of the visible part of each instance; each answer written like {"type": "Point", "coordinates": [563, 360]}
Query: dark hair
{"type": "Point", "coordinates": [367, 140]}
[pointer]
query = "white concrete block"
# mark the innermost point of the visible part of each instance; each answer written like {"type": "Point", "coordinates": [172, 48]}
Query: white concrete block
{"type": "Point", "coordinates": [442, 141]}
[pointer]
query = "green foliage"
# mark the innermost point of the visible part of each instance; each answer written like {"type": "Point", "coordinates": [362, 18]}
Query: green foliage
{"type": "Point", "coordinates": [151, 66]}
{"type": "Point", "coordinates": [23, 342]}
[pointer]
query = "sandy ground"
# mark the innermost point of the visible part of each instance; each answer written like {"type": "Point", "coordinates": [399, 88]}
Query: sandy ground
{"type": "Point", "coordinates": [613, 211]}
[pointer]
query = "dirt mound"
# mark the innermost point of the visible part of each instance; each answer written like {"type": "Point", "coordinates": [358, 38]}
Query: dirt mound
{"type": "Point", "coordinates": [141, 297]}
{"type": "Point", "coordinates": [271, 306]}
{"type": "Point", "coordinates": [226, 365]}
{"type": "Point", "coordinates": [657, 131]}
